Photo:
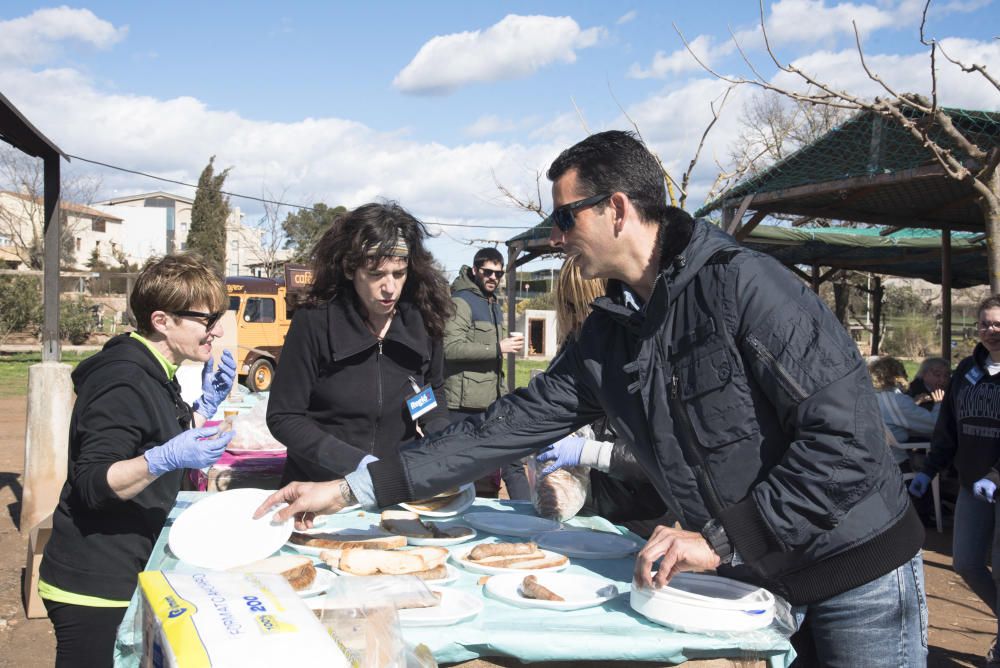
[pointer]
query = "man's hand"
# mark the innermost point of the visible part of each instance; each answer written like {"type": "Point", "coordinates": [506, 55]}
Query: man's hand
{"type": "Point", "coordinates": [937, 396]}
{"type": "Point", "coordinates": [919, 484]}
{"type": "Point", "coordinates": [984, 490]}
{"type": "Point", "coordinates": [681, 551]}
{"type": "Point", "coordinates": [306, 500]}
{"type": "Point", "coordinates": [512, 344]}
{"type": "Point", "coordinates": [563, 453]}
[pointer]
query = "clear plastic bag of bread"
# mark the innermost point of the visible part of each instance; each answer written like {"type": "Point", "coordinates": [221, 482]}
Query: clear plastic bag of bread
{"type": "Point", "coordinates": [360, 614]}
{"type": "Point", "coordinates": [251, 430]}
{"type": "Point", "coordinates": [561, 494]}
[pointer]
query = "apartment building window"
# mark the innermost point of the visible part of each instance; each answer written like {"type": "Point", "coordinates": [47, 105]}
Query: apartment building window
{"type": "Point", "coordinates": [78, 243]}
{"type": "Point", "coordinates": [98, 225]}
{"type": "Point", "coordinates": [5, 240]}
{"type": "Point", "coordinates": [234, 269]}
{"type": "Point", "coordinates": [234, 244]}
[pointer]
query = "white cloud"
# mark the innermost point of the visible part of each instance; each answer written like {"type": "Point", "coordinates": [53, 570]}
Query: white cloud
{"type": "Point", "coordinates": [491, 124]}
{"type": "Point", "coordinates": [627, 17]}
{"type": "Point", "coordinates": [515, 47]}
{"type": "Point", "coordinates": [681, 60]}
{"type": "Point", "coordinates": [35, 38]}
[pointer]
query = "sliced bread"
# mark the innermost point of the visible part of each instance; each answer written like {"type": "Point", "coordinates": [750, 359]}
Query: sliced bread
{"type": "Point", "coordinates": [298, 570]}
{"type": "Point", "coordinates": [391, 562]}
{"type": "Point", "coordinates": [340, 541]}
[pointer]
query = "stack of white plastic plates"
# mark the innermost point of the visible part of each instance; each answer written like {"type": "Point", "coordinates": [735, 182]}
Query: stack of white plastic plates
{"type": "Point", "coordinates": [705, 604]}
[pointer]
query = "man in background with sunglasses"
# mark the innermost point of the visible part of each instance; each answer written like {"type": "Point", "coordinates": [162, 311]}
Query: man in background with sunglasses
{"type": "Point", "coordinates": [475, 342]}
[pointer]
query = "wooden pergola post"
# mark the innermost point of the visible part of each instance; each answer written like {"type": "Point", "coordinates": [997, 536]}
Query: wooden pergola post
{"type": "Point", "coordinates": [50, 283]}
{"type": "Point", "coordinates": [946, 294]}
{"type": "Point", "coordinates": [511, 275]}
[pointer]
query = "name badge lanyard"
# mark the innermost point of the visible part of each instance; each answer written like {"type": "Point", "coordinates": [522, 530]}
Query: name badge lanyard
{"type": "Point", "coordinates": [422, 401]}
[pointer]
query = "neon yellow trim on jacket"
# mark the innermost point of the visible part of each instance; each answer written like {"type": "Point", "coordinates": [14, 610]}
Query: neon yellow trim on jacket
{"type": "Point", "coordinates": [53, 593]}
{"type": "Point", "coordinates": [171, 369]}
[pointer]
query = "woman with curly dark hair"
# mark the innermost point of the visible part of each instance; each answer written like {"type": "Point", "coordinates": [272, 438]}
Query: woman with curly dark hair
{"type": "Point", "coordinates": [363, 358]}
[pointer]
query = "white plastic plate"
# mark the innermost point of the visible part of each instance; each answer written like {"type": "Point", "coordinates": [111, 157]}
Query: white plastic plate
{"type": "Point", "coordinates": [456, 606]}
{"type": "Point", "coordinates": [452, 575]}
{"type": "Point", "coordinates": [462, 560]}
{"type": "Point", "coordinates": [587, 544]}
{"type": "Point", "coordinates": [510, 524]}
{"type": "Point", "coordinates": [459, 503]}
{"type": "Point", "coordinates": [324, 578]}
{"type": "Point", "coordinates": [698, 603]}
{"type": "Point", "coordinates": [219, 531]}
{"type": "Point", "coordinates": [580, 591]}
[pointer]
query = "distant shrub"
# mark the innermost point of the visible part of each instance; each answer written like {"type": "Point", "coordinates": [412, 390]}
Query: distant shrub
{"type": "Point", "coordinates": [76, 320]}
{"type": "Point", "coordinates": [20, 305]}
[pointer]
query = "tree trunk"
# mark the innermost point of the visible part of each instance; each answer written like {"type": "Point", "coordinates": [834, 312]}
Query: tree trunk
{"type": "Point", "coordinates": [990, 207]}
{"type": "Point", "coordinates": [841, 295]}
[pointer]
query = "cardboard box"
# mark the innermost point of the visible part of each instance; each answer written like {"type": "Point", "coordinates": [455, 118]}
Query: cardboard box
{"type": "Point", "coordinates": [37, 538]}
{"type": "Point", "coordinates": [216, 618]}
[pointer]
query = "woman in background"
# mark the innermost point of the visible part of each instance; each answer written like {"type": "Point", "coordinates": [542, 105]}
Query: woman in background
{"type": "Point", "coordinates": [619, 490]}
{"type": "Point", "coordinates": [368, 337]}
{"type": "Point", "coordinates": [968, 434]}
{"type": "Point", "coordinates": [929, 383]}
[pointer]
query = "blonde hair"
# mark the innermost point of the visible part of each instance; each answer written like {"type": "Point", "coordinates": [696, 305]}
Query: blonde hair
{"type": "Point", "coordinates": [573, 296]}
{"type": "Point", "coordinates": [172, 283]}
{"type": "Point", "coordinates": [887, 373]}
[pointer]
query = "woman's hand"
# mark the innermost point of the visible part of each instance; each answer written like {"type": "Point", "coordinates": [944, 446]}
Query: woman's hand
{"type": "Point", "coordinates": [306, 500]}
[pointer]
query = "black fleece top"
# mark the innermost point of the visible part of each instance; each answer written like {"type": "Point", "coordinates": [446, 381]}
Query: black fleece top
{"type": "Point", "coordinates": [339, 394]}
{"type": "Point", "coordinates": [124, 406]}
{"type": "Point", "coordinates": [968, 428]}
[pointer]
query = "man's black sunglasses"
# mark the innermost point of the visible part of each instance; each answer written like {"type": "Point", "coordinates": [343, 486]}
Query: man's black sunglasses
{"type": "Point", "coordinates": [210, 318]}
{"type": "Point", "coordinates": [491, 272]}
{"type": "Point", "coordinates": [563, 215]}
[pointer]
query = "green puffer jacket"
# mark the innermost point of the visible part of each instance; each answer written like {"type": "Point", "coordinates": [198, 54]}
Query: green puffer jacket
{"type": "Point", "coordinates": [473, 363]}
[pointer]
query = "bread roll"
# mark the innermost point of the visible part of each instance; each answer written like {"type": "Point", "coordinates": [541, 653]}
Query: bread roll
{"type": "Point", "coordinates": [340, 541]}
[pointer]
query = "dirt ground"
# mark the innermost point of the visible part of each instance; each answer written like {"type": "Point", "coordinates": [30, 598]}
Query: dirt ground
{"type": "Point", "coordinates": [960, 625]}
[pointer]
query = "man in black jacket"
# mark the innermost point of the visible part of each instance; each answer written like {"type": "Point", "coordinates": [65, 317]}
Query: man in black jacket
{"type": "Point", "coordinates": [741, 395]}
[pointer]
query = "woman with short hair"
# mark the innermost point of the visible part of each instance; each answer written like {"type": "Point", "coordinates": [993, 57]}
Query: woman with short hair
{"type": "Point", "coordinates": [368, 338]}
{"type": "Point", "coordinates": [968, 434]}
{"type": "Point", "coordinates": [131, 437]}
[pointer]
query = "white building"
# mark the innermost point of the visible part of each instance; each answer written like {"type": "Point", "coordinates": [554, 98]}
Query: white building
{"type": "Point", "coordinates": [22, 220]}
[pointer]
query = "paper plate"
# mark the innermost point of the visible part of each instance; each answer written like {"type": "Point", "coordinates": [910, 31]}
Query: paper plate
{"type": "Point", "coordinates": [474, 567]}
{"type": "Point", "coordinates": [452, 575]}
{"type": "Point", "coordinates": [324, 578]}
{"type": "Point", "coordinates": [580, 591]}
{"type": "Point", "coordinates": [586, 544]}
{"type": "Point", "coordinates": [456, 606]}
{"type": "Point", "coordinates": [510, 524]}
{"type": "Point", "coordinates": [459, 503]}
{"type": "Point", "coordinates": [338, 533]}
{"type": "Point", "coordinates": [219, 532]}
{"type": "Point", "coordinates": [698, 603]}
{"type": "Point", "coordinates": [443, 542]}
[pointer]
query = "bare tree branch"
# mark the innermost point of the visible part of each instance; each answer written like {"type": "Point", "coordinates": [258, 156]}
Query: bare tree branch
{"type": "Point", "coordinates": [525, 204]}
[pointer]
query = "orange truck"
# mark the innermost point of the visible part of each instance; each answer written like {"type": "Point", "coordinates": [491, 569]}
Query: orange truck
{"type": "Point", "coordinates": [264, 308]}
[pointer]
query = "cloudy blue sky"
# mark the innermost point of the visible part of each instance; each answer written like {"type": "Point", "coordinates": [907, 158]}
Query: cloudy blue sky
{"type": "Point", "coordinates": [429, 103]}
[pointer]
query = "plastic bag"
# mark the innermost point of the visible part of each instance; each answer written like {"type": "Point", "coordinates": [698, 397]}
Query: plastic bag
{"type": "Point", "coordinates": [251, 430]}
{"type": "Point", "coordinates": [559, 495]}
{"type": "Point", "coordinates": [360, 614]}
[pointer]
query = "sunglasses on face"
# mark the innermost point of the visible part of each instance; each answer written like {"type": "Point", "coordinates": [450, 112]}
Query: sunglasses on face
{"type": "Point", "coordinates": [209, 318]}
{"type": "Point", "coordinates": [562, 216]}
{"type": "Point", "coordinates": [489, 273]}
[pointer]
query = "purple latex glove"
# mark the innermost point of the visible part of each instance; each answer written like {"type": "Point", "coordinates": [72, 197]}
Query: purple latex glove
{"type": "Point", "coordinates": [191, 449]}
{"type": "Point", "coordinates": [215, 384]}
{"type": "Point", "coordinates": [984, 490]}
{"type": "Point", "coordinates": [919, 484]}
{"type": "Point", "coordinates": [563, 453]}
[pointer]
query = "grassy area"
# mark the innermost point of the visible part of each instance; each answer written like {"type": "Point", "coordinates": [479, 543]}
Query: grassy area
{"type": "Point", "coordinates": [14, 370]}
{"type": "Point", "coordinates": [523, 368]}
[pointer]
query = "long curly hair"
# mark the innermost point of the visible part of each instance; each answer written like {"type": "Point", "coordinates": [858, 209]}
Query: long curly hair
{"type": "Point", "coordinates": [346, 246]}
{"type": "Point", "coordinates": [887, 373]}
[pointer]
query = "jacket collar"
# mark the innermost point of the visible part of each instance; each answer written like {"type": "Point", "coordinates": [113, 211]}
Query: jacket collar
{"type": "Point", "coordinates": [467, 281]}
{"type": "Point", "coordinates": [348, 334]}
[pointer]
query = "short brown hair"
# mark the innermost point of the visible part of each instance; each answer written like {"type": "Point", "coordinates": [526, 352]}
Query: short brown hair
{"type": "Point", "coordinates": [886, 373]}
{"type": "Point", "coordinates": [993, 301]}
{"type": "Point", "coordinates": [175, 282]}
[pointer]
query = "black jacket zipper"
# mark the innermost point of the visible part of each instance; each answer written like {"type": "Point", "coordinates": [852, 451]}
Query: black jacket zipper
{"type": "Point", "coordinates": [790, 384]}
{"type": "Point", "coordinates": [378, 392]}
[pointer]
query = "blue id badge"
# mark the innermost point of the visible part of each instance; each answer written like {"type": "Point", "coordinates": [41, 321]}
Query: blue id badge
{"type": "Point", "coordinates": [422, 402]}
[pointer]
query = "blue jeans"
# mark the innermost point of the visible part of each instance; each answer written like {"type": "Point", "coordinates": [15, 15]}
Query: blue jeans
{"type": "Point", "coordinates": [974, 541]}
{"type": "Point", "coordinates": [882, 623]}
